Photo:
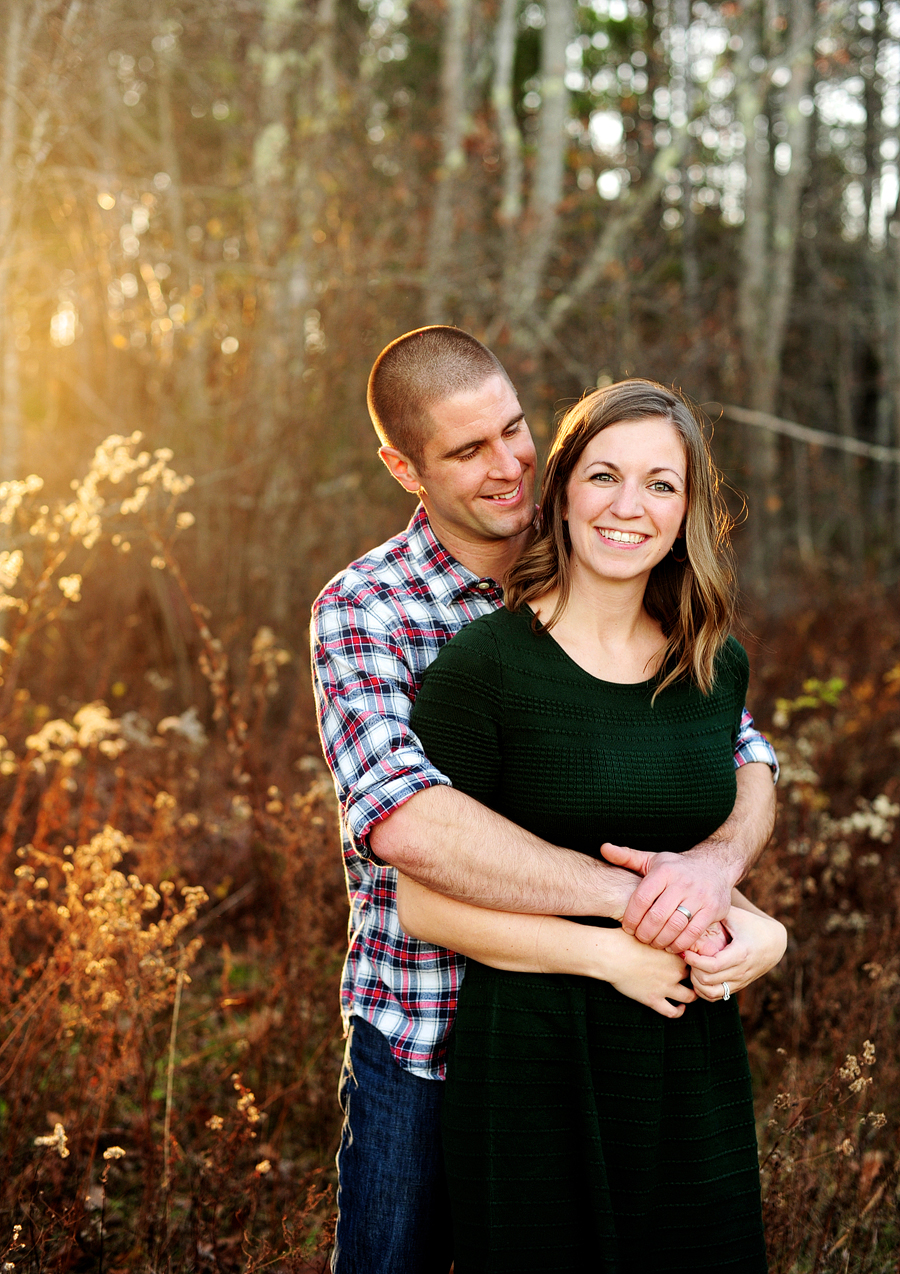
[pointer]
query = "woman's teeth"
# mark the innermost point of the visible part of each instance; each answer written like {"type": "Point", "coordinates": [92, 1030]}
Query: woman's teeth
{"type": "Point", "coordinates": [624, 537]}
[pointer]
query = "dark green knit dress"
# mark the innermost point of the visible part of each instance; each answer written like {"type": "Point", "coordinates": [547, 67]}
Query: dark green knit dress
{"type": "Point", "coordinates": [584, 1132]}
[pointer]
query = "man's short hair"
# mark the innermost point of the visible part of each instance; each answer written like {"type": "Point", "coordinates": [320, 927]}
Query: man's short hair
{"type": "Point", "coordinates": [418, 370]}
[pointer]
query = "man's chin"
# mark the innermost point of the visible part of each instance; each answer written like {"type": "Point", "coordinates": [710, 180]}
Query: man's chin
{"type": "Point", "coordinates": [507, 524]}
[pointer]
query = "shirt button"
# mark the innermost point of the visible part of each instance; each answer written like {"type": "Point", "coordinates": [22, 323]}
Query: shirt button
{"type": "Point", "coordinates": [485, 585]}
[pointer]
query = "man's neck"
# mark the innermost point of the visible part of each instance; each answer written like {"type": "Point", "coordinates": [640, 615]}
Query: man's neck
{"type": "Point", "coordinates": [488, 559]}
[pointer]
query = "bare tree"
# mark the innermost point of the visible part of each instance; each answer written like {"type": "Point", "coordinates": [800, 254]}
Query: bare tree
{"type": "Point", "coordinates": [771, 221]}
{"type": "Point", "coordinates": [502, 95]}
{"type": "Point", "coordinates": [29, 123]}
{"type": "Point", "coordinates": [530, 251]}
{"type": "Point", "coordinates": [452, 163]}
{"type": "Point", "coordinates": [13, 64]}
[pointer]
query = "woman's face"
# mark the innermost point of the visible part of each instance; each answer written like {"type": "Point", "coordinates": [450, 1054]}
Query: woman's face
{"type": "Point", "coordinates": [626, 500]}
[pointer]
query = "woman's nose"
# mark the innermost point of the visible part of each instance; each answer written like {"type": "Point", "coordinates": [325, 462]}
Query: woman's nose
{"type": "Point", "coordinates": [627, 502]}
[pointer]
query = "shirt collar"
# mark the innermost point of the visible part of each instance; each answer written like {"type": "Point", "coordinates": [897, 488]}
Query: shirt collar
{"type": "Point", "coordinates": [447, 579]}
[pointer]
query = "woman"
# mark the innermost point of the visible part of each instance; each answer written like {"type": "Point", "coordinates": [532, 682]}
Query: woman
{"type": "Point", "coordinates": [601, 1122]}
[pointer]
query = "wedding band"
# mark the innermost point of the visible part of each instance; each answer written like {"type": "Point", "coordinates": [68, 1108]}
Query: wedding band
{"type": "Point", "coordinates": [684, 911]}
{"type": "Point", "coordinates": [726, 993]}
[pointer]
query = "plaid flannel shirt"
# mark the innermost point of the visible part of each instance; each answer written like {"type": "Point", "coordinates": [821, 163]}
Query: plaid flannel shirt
{"type": "Point", "coordinates": [375, 629]}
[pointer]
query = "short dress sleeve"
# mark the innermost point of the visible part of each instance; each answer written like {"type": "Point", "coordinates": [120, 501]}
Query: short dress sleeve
{"type": "Point", "coordinates": [735, 666]}
{"type": "Point", "coordinates": [457, 714]}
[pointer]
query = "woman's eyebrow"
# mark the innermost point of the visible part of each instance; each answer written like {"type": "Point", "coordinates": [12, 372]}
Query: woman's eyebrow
{"type": "Point", "coordinates": [611, 464]}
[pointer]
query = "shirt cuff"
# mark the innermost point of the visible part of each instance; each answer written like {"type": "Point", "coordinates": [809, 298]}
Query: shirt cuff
{"type": "Point", "coordinates": [758, 749]}
{"type": "Point", "coordinates": [382, 799]}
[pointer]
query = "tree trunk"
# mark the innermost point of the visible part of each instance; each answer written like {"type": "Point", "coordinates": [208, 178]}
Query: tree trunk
{"type": "Point", "coordinates": [788, 196]}
{"type": "Point", "coordinates": [190, 370]}
{"type": "Point", "coordinates": [326, 18]}
{"type": "Point", "coordinates": [753, 283]}
{"type": "Point", "coordinates": [507, 124]}
{"type": "Point", "coordinates": [525, 273]}
{"type": "Point", "coordinates": [509, 213]}
{"type": "Point", "coordinates": [768, 252]}
{"type": "Point", "coordinates": [852, 500]}
{"type": "Point", "coordinates": [690, 266]}
{"type": "Point", "coordinates": [894, 241]}
{"type": "Point", "coordinates": [453, 99]}
{"type": "Point", "coordinates": [10, 419]}
{"type": "Point", "coordinates": [271, 216]}
{"type": "Point", "coordinates": [631, 211]}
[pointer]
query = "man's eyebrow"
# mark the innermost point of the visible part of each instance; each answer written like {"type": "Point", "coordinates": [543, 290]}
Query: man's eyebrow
{"type": "Point", "coordinates": [476, 442]}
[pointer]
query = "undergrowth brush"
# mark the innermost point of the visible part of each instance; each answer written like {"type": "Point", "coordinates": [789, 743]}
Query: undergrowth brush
{"type": "Point", "coordinates": [823, 1029]}
{"type": "Point", "coordinates": [172, 921]}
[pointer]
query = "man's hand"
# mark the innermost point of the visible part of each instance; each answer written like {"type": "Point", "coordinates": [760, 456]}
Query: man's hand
{"type": "Point", "coordinates": [701, 879]}
{"type": "Point", "coordinates": [671, 881]}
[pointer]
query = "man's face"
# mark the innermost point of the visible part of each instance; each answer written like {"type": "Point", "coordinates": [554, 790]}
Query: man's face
{"type": "Point", "coordinates": [476, 474]}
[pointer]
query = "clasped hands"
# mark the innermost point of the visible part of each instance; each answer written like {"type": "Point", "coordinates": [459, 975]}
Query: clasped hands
{"type": "Point", "coordinates": [737, 952]}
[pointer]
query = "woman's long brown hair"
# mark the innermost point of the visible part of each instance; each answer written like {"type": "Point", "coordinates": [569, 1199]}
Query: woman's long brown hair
{"type": "Point", "coordinates": [693, 600]}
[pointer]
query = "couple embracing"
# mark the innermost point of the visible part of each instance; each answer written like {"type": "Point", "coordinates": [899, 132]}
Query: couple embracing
{"type": "Point", "coordinates": [557, 803]}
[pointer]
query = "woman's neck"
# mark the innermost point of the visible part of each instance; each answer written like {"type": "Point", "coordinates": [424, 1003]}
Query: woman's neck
{"type": "Point", "coordinates": [606, 630]}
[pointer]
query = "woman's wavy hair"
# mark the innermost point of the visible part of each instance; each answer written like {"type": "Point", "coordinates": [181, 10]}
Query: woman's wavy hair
{"type": "Point", "coordinates": [693, 599]}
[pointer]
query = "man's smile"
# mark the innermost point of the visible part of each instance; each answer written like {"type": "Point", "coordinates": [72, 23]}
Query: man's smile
{"type": "Point", "coordinates": [506, 497]}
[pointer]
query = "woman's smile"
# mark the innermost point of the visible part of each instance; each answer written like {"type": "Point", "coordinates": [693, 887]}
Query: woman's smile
{"type": "Point", "coordinates": [621, 537]}
{"type": "Point", "coordinates": [627, 499]}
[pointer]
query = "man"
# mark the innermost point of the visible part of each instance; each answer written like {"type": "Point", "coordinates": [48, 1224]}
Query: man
{"type": "Point", "coordinates": [454, 434]}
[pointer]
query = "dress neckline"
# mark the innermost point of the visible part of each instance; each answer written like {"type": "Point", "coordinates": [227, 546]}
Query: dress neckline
{"type": "Point", "coordinates": [601, 681]}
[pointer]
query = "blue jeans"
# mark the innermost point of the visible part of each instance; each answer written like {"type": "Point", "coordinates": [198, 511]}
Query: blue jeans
{"type": "Point", "coordinates": [393, 1208]}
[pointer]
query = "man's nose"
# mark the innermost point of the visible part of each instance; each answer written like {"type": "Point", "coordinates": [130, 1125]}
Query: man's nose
{"type": "Point", "coordinates": [504, 462]}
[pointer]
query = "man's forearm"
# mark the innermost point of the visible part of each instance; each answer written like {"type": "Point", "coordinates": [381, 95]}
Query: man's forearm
{"type": "Point", "coordinates": [735, 846]}
{"type": "Point", "coordinates": [448, 842]}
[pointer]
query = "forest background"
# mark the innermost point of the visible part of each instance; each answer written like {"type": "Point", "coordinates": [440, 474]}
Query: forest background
{"type": "Point", "coordinates": [213, 215]}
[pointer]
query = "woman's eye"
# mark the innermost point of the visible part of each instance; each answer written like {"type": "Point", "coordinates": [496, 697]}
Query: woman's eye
{"type": "Point", "coordinates": [603, 477]}
{"type": "Point", "coordinates": [661, 486]}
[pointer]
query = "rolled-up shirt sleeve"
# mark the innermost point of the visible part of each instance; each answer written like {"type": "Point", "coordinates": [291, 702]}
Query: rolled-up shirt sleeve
{"type": "Point", "coordinates": [754, 746]}
{"type": "Point", "coordinates": [365, 687]}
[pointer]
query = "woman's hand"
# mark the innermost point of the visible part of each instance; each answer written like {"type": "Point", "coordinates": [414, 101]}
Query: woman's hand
{"type": "Point", "coordinates": [711, 940]}
{"type": "Point", "coordinates": [643, 973]}
{"type": "Point", "coordinates": [757, 944]}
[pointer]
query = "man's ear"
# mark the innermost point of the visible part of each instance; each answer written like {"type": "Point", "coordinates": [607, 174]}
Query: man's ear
{"type": "Point", "coordinates": [401, 468]}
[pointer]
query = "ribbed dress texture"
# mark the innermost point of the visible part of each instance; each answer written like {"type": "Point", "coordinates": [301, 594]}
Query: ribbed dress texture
{"type": "Point", "coordinates": [584, 1132]}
